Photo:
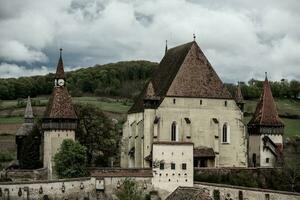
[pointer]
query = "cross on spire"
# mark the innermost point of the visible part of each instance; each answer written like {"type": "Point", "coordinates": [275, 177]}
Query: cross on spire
{"type": "Point", "coordinates": [194, 36]}
{"type": "Point", "coordinates": [60, 51]}
{"type": "Point", "coordinates": [266, 75]}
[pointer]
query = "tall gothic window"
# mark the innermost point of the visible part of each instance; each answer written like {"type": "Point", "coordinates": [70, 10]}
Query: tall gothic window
{"type": "Point", "coordinates": [173, 131]}
{"type": "Point", "coordinates": [225, 133]}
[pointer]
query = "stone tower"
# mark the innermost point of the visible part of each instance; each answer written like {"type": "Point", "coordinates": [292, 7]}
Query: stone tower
{"type": "Point", "coordinates": [265, 131]}
{"type": "Point", "coordinates": [25, 129]}
{"type": "Point", "coordinates": [59, 121]}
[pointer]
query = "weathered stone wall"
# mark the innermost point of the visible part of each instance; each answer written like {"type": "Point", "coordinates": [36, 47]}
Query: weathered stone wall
{"type": "Point", "coordinates": [25, 175]}
{"type": "Point", "coordinates": [80, 188]}
{"type": "Point", "coordinates": [236, 193]}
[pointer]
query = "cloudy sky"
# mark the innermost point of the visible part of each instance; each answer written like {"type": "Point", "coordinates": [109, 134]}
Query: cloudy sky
{"type": "Point", "coordinates": [242, 39]}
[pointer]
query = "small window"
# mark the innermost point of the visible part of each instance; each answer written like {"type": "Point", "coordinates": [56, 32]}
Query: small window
{"type": "Point", "coordinates": [225, 133]}
{"type": "Point", "coordinates": [174, 101]}
{"type": "Point", "coordinates": [201, 102]}
{"type": "Point", "coordinates": [184, 166]}
{"type": "Point", "coordinates": [173, 166]}
{"type": "Point", "coordinates": [225, 103]}
{"type": "Point", "coordinates": [267, 196]}
{"type": "Point", "coordinates": [162, 166]}
{"type": "Point", "coordinates": [267, 160]}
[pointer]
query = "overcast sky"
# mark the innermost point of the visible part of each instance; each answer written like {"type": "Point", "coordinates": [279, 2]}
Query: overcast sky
{"type": "Point", "coordinates": [242, 39]}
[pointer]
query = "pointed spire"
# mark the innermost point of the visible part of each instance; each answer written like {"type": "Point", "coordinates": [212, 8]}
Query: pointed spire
{"type": "Point", "coordinates": [60, 73]}
{"type": "Point", "coordinates": [28, 110]}
{"type": "Point", "coordinates": [166, 46]}
{"type": "Point", "coordinates": [238, 95]}
{"type": "Point", "coordinates": [266, 111]}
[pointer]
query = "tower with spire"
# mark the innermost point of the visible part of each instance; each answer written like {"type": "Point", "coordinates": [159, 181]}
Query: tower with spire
{"type": "Point", "coordinates": [60, 120]}
{"type": "Point", "coordinates": [265, 129]}
{"type": "Point", "coordinates": [25, 129]}
{"type": "Point", "coordinates": [239, 99]}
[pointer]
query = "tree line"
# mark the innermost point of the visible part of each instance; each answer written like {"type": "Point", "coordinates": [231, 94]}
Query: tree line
{"type": "Point", "coordinates": [122, 79]}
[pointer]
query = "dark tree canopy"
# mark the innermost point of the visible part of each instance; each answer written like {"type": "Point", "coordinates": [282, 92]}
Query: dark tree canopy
{"type": "Point", "coordinates": [98, 134]}
{"type": "Point", "coordinates": [70, 161]}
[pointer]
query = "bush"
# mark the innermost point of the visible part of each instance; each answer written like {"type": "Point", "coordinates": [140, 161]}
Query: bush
{"type": "Point", "coordinates": [129, 190]}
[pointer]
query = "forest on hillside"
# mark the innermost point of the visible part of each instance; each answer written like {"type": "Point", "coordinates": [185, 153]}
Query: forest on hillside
{"type": "Point", "coordinates": [121, 79]}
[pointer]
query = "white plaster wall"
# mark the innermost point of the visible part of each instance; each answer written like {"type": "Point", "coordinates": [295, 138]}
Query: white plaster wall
{"type": "Point", "coordinates": [168, 179]}
{"type": "Point", "coordinates": [202, 130]}
{"type": "Point", "coordinates": [265, 153]}
{"type": "Point", "coordinates": [52, 142]}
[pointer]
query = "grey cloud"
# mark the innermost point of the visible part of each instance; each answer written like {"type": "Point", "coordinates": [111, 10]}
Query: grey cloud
{"type": "Point", "coordinates": [242, 39]}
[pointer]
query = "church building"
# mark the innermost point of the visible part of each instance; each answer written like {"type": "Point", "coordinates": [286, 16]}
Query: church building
{"type": "Point", "coordinates": [59, 121]}
{"type": "Point", "coordinates": [187, 113]}
{"type": "Point", "coordinates": [265, 131]}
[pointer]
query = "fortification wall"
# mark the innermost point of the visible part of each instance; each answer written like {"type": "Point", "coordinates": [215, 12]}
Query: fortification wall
{"type": "Point", "coordinates": [80, 188]}
{"type": "Point", "coordinates": [222, 192]}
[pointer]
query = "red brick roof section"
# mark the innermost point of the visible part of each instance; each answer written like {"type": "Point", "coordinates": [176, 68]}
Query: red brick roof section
{"type": "Point", "coordinates": [184, 71]}
{"type": "Point", "coordinates": [266, 112]}
{"type": "Point", "coordinates": [60, 105]}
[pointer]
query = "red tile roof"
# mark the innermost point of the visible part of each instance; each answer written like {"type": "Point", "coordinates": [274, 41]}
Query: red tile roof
{"type": "Point", "coordinates": [184, 71]}
{"type": "Point", "coordinates": [60, 105]}
{"type": "Point", "coordinates": [266, 112]}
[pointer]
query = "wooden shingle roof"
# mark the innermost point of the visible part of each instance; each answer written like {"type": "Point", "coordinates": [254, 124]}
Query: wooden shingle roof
{"type": "Point", "coordinates": [266, 112]}
{"type": "Point", "coordinates": [184, 71]}
{"type": "Point", "coordinates": [60, 105]}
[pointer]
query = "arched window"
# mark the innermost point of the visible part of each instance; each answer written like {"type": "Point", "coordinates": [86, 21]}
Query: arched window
{"type": "Point", "coordinates": [226, 133]}
{"type": "Point", "coordinates": [174, 132]}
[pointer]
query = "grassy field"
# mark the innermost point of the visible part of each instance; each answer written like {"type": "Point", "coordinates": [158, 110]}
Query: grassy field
{"type": "Point", "coordinates": [106, 104]}
{"type": "Point", "coordinates": [11, 120]}
{"type": "Point", "coordinates": [284, 106]}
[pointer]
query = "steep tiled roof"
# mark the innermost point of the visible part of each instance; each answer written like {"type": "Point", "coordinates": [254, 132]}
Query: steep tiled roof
{"type": "Point", "coordinates": [184, 71]}
{"type": "Point", "coordinates": [28, 110]}
{"type": "Point", "coordinates": [60, 73]}
{"type": "Point", "coordinates": [266, 112]}
{"type": "Point", "coordinates": [189, 193]}
{"type": "Point", "coordinates": [238, 95]}
{"type": "Point", "coordinates": [60, 105]}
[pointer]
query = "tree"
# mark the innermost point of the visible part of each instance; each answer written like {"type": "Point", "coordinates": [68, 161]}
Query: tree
{"type": "Point", "coordinates": [70, 161]}
{"type": "Point", "coordinates": [129, 190]}
{"type": "Point", "coordinates": [98, 134]}
{"type": "Point", "coordinates": [295, 88]}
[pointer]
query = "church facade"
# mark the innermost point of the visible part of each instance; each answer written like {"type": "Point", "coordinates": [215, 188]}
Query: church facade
{"type": "Point", "coordinates": [185, 102]}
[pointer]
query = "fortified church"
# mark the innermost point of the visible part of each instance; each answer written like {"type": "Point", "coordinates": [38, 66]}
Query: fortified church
{"type": "Point", "coordinates": [184, 118]}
